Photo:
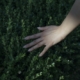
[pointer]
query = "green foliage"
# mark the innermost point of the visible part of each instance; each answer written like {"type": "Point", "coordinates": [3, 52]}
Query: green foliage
{"type": "Point", "coordinates": [20, 18]}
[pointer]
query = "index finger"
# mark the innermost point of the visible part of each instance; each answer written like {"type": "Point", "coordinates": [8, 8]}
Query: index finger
{"type": "Point", "coordinates": [33, 36]}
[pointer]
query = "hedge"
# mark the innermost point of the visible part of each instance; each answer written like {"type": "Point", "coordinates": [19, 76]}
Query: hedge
{"type": "Point", "coordinates": [20, 18]}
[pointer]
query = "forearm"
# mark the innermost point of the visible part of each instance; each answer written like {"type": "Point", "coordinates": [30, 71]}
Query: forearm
{"type": "Point", "coordinates": [72, 20]}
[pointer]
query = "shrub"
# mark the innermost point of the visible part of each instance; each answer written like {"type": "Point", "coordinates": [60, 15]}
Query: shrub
{"type": "Point", "coordinates": [20, 18]}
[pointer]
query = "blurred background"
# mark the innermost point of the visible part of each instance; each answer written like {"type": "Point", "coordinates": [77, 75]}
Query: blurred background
{"type": "Point", "coordinates": [20, 18]}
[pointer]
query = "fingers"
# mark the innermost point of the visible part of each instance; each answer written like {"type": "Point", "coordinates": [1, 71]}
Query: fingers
{"type": "Point", "coordinates": [36, 46]}
{"type": "Point", "coordinates": [33, 36]}
{"type": "Point", "coordinates": [32, 43]}
{"type": "Point", "coordinates": [50, 30]}
{"type": "Point", "coordinates": [45, 49]}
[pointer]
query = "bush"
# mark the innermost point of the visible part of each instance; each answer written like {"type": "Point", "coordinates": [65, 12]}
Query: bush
{"type": "Point", "coordinates": [20, 18]}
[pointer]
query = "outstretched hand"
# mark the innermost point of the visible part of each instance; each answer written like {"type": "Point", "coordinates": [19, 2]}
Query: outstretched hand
{"type": "Point", "coordinates": [50, 36]}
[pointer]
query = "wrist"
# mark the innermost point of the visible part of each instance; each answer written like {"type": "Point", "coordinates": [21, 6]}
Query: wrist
{"type": "Point", "coordinates": [69, 24]}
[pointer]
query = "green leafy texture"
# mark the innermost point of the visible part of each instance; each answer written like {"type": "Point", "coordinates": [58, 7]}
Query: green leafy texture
{"type": "Point", "coordinates": [20, 18]}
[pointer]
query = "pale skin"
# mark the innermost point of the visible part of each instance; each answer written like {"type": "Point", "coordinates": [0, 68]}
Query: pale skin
{"type": "Point", "coordinates": [53, 34]}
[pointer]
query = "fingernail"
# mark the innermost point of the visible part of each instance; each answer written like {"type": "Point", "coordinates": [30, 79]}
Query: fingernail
{"type": "Point", "coordinates": [29, 50]}
{"type": "Point", "coordinates": [24, 38]}
{"type": "Point", "coordinates": [40, 55]}
{"type": "Point", "coordinates": [38, 27]}
{"type": "Point", "coordinates": [24, 46]}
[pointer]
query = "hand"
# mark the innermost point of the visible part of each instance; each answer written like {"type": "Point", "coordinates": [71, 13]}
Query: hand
{"type": "Point", "coordinates": [50, 36]}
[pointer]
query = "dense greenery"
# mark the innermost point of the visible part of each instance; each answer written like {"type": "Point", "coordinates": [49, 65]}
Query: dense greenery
{"type": "Point", "coordinates": [20, 18]}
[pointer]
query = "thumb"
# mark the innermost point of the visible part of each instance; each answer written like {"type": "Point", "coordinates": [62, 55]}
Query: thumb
{"type": "Point", "coordinates": [43, 52]}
